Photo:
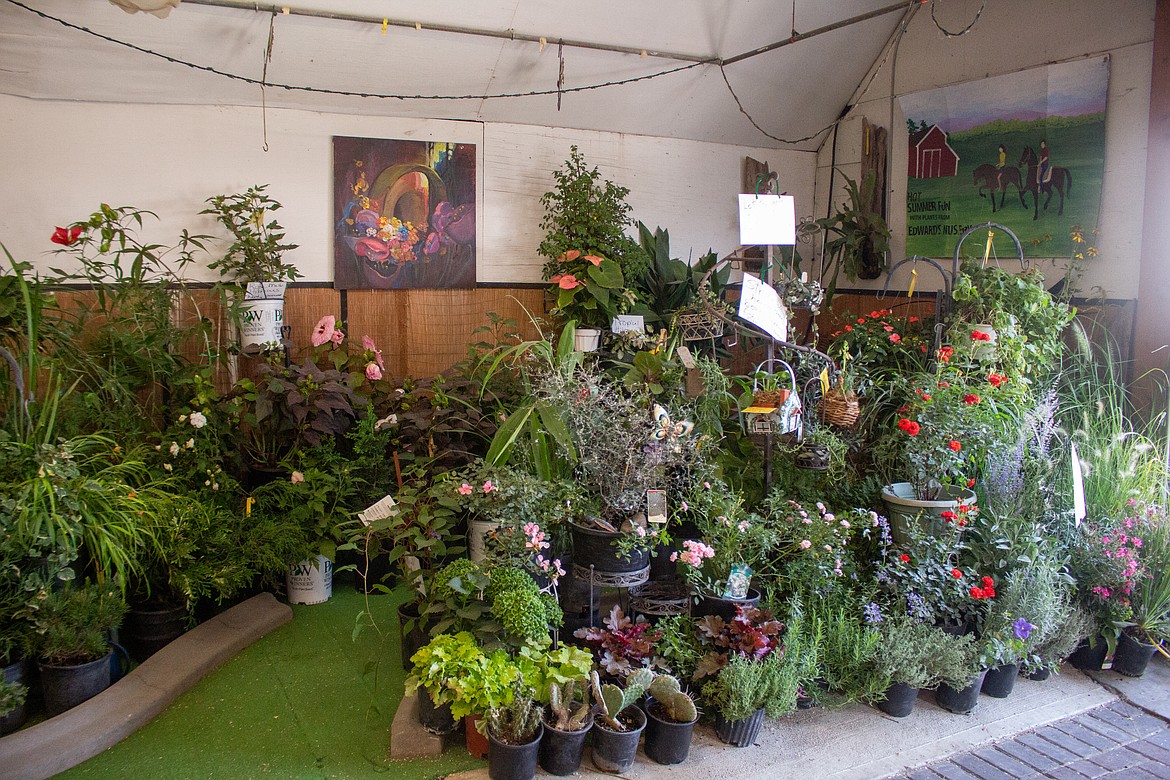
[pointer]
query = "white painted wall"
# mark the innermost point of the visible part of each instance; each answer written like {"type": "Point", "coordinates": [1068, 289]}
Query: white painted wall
{"type": "Point", "coordinates": [60, 160]}
{"type": "Point", "coordinates": [1010, 36]}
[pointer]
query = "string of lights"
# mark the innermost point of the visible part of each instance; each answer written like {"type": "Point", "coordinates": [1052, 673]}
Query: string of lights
{"type": "Point", "coordinates": [965, 30]}
{"type": "Point", "coordinates": [355, 93]}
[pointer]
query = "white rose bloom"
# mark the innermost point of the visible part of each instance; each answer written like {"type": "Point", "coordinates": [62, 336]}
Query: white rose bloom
{"type": "Point", "coordinates": [174, 448]}
{"type": "Point", "coordinates": [198, 419]}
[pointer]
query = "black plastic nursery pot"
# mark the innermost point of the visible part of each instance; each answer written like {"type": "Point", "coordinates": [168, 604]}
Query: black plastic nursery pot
{"type": "Point", "coordinates": [1000, 680]}
{"type": "Point", "coordinates": [899, 701]}
{"type": "Point", "coordinates": [1090, 654]}
{"type": "Point", "coordinates": [65, 687]}
{"type": "Point", "coordinates": [411, 641]}
{"type": "Point", "coordinates": [561, 751]}
{"type": "Point", "coordinates": [149, 628]}
{"type": "Point", "coordinates": [436, 720]}
{"type": "Point", "coordinates": [740, 733]}
{"type": "Point", "coordinates": [1039, 675]}
{"type": "Point", "coordinates": [1132, 656]}
{"type": "Point", "coordinates": [513, 762]}
{"type": "Point", "coordinates": [18, 672]}
{"type": "Point", "coordinates": [667, 742]}
{"type": "Point", "coordinates": [724, 608]}
{"type": "Point", "coordinates": [599, 549]}
{"type": "Point", "coordinates": [960, 700]}
{"type": "Point", "coordinates": [615, 751]}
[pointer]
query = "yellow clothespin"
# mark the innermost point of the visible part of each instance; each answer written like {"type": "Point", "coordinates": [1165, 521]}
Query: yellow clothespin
{"type": "Point", "coordinates": [913, 282]}
{"type": "Point", "coordinates": [385, 24]}
{"type": "Point", "coordinates": [824, 380]}
{"type": "Point", "coordinates": [987, 249]}
{"type": "Point", "coordinates": [418, 25]}
{"type": "Point", "coordinates": [248, 506]}
{"type": "Point", "coordinates": [543, 42]}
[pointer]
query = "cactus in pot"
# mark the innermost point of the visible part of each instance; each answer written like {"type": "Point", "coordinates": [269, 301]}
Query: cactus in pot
{"type": "Point", "coordinates": [613, 699]}
{"type": "Point", "coordinates": [562, 701]}
{"type": "Point", "coordinates": [677, 705]}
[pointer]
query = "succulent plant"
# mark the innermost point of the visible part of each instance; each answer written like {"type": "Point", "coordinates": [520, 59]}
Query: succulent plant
{"type": "Point", "coordinates": [679, 706]}
{"type": "Point", "coordinates": [612, 699]}
{"type": "Point", "coordinates": [515, 723]}
{"type": "Point", "coordinates": [562, 701]}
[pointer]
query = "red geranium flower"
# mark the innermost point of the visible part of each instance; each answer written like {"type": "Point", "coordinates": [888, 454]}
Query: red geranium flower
{"type": "Point", "coordinates": [971, 482]}
{"type": "Point", "coordinates": [944, 354]}
{"type": "Point", "coordinates": [848, 328]}
{"type": "Point", "coordinates": [895, 338]}
{"type": "Point", "coordinates": [977, 593]}
{"type": "Point", "coordinates": [909, 426]}
{"type": "Point", "coordinates": [971, 399]}
{"type": "Point", "coordinates": [954, 445]}
{"type": "Point", "coordinates": [66, 236]}
{"type": "Point", "coordinates": [996, 379]}
{"type": "Point", "coordinates": [988, 582]}
{"type": "Point", "coordinates": [947, 515]}
{"type": "Point", "coordinates": [978, 335]}
{"type": "Point", "coordinates": [904, 558]}
{"type": "Point", "coordinates": [958, 575]}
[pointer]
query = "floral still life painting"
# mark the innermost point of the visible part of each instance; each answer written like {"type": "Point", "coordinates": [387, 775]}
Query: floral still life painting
{"type": "Point", "coordinates": [404, 214]}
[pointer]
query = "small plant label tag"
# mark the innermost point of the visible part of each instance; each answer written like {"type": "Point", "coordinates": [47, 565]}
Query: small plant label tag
{"type": "Point", "coordinates": [380, 510]}
{"type": "Point", "coordinates": [656, 506]}
{"type": "Point", "coordinates": [628, 323]}
{"type": "Point", "coordinates": [259, 291]}
{"type": "Point", "coordinates": [684, 354]}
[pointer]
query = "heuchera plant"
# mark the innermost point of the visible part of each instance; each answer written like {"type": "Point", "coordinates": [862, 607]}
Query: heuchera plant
{"type": "Point", "coordinates": [623, 644]}
{"type": "Point", "coordinates": [752, 633]}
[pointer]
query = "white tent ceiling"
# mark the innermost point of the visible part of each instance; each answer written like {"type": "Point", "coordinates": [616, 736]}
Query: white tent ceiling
{"type": "Point", "coordinates": [791, 91]}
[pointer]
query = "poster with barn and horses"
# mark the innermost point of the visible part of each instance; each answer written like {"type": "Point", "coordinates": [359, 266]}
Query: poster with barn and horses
{"type": "Point", "coordinates": [1026, 150]}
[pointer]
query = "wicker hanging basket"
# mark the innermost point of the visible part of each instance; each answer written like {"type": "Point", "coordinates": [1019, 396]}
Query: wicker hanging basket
{"type": "Point", "coordinates": [839, 407]}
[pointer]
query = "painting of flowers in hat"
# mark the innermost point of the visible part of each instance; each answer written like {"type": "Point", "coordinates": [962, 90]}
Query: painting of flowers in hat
{"type": "Point", "coordinates": [404, 214]}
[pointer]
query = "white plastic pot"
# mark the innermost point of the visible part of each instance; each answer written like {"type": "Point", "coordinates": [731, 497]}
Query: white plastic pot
{"type": "Point", "coordinates": [586, 339]}
{"type": "Point", "coordinates": [310, 581]}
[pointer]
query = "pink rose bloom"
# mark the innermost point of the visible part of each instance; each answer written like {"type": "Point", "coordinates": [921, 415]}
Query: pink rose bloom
{"type": "Point", "coordinates": [324, 330]}
{"type": "Point", "coordinates": [805, 544]}
{"type": "Point", "coordinates": [373, 373]}
{"type": "Point", "coordinates": [464, 489]}
{"type": "Point", "coordinates": [296, 477]}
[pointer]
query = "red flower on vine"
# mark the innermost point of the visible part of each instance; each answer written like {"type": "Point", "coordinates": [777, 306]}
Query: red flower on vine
{"type": "Point", "coordinates": [996, 379]}
{"type": "Point", "coordinates": [971, 399]}
{"type": "Point", "coordinates": [947, 515]}
{"type": "Point", "coordinates": [954, 445]}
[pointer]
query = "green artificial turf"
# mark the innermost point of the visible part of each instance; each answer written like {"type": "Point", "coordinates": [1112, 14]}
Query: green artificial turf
{"type": "Point", "coordinates": [306, 701]}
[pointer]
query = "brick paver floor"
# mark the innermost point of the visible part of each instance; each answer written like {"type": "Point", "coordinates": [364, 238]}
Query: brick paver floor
{"type": "Point", "coordinates": [1117, 740]}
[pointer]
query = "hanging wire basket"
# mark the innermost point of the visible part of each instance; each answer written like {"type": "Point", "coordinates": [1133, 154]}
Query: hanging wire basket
{"type": "Point", "coordinates": [699, 326]}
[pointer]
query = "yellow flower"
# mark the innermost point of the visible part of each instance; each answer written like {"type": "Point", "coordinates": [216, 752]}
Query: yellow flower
{"type": "Point", "coordinates": [1091, 251]}
{"type": "Point", "coordinates": [1079, 255]}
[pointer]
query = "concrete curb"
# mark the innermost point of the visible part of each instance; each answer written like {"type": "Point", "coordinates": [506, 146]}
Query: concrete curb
{"type": "Point", "coordinates": [72, 737]}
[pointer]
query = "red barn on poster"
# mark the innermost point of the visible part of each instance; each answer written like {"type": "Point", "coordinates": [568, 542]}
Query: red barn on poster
{"type": "Point", "coordinates": [931, 157]}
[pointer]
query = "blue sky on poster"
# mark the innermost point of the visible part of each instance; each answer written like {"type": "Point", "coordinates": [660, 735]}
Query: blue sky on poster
{"type": "Point", "coordinates": [1068, 89]}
